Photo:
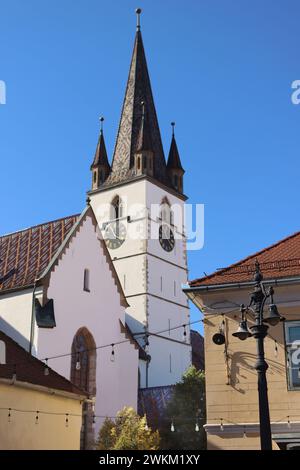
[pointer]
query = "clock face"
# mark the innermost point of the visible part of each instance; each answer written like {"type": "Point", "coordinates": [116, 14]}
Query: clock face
{"type": "Point", "coordinates": [166, 237]}
{"type": "Point", "coordinates": [115, 235]}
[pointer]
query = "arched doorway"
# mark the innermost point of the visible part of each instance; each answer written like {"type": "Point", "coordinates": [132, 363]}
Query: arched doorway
{"type": "Point", "coordinates": [83, 375]}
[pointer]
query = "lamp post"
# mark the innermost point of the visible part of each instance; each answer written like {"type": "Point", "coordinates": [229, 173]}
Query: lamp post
{"type": "Point", "coordinates": [259, 330]}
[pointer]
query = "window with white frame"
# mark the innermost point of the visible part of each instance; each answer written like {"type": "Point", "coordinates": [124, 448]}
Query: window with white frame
{"type": "Point", "coordinates": [292, 339]}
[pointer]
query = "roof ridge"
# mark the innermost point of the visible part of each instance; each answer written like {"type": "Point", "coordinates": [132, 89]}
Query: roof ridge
{"type": "Point", "coordinates": [38, 225]}
{"type": "Point", "coordinates": [257, 253]}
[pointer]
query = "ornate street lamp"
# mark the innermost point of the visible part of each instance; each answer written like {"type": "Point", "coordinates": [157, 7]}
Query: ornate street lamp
{"type": "Point", "coordinates": [259, 331]}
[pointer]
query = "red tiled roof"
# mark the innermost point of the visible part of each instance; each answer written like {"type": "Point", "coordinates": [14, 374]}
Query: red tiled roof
{"type": "Point", "coordinates": [29, 369]}
{"type": "Point", "coordinates": [26, 254]}
{"type": "Point", "coordinates": [277, 261]}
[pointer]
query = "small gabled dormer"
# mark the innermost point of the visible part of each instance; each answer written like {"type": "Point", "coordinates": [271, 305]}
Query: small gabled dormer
{"type": "Point", "coordinates": [143, 157]}
{"type": "Point", "coordinates": [174, 168]}
{"type": "Point", "coordinates": [100, 167]}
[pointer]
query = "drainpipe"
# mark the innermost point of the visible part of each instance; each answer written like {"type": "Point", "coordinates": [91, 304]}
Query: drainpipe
{"type": "Point", "coordinates": [32, 319]}
{"type": "Point", "coordinates": [147, 370]}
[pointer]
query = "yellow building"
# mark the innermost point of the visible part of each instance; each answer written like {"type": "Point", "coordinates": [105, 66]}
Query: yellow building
{"type": "Point", "coordinates": [231, 380]}
{"type": "Point", "coordinates": [39, 409]}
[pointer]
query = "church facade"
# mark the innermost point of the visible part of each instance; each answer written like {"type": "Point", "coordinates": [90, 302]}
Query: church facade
{"type": "Point", "coordinates": [97, 296]}
{"type": "Point", "coordinates": [139, 204]}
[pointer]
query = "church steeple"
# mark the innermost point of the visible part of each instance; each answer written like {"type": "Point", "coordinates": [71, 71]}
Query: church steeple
{"type": "Point", "coordinates": [100, 167]}
{"type": "Point", "coordinates": [174, 167]}
{"type": "Point", "coordinates": [138, 90]}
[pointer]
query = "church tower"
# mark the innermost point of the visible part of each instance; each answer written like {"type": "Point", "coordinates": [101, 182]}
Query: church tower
{"type": "Point", "coordinates": [139, 203]}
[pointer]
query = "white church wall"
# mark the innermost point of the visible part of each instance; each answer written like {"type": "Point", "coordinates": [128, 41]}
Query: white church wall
{"type": "Point", "coordinates": [150, 276]}
{"type": "Point", "coordinates": [165, 280]}
{"type": "Point", "coordinates": [173, 357]}
{"type": "Point", "coordinates": [99, 311]}
{"type": "Point", "coordinates": [16, 315]}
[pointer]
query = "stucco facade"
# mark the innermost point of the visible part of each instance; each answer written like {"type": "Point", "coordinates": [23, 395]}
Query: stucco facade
{"type": "Point", "coordinates": [20, 432]}
{"type": "Point", "coordinates": [231, 380]}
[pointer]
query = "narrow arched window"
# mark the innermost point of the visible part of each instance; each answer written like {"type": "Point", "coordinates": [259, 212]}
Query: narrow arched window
{"type": "Point", "coordinates": [176, 181]}
{"type": "Point", "coordinates": [117, 208]}
{"type": "Point", "coordinates": [101, 176]}
{"type": "Point", "coordinates": [139, 163]}
{"type": "Point", "coordinates": [86, 280]}
{"type": "Point", "coordinates": [165, 212]}
{"type": "Point", "coordinates": [95, 177]}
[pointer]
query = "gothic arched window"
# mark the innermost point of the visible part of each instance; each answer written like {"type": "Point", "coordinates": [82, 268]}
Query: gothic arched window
{"type": "Point", "coordinates": [101, 176]}
{"type": "Point", "coordinates": [83, 366]}
{"type": "Point", "coordinates": [116, 208]}
{"type": "Point", "coordinates": [83, 375]}
{"type": "Point", "coordinates": [166, 213]}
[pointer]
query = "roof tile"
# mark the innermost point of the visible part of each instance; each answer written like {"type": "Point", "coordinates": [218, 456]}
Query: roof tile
{"type": "Point", "coordinates": [279, 260]}
{"type": "Point", "coordinates": [29, 251]}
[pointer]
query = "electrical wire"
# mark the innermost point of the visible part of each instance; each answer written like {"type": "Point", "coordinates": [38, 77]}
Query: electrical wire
{"type": "Point", "coordinates": [108, 345]}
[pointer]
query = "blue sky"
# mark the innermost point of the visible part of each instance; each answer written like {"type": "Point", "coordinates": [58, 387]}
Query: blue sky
{"type": "Point", "coordinates": [222, 69]}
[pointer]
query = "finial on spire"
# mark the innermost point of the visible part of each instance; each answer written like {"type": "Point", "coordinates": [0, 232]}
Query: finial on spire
{"type": "Point", "coordinates": [138, 18]}
{"type": "Point", "coordinates": [101, 119]}
{"type": "Point", "coordinates": [173, 128]}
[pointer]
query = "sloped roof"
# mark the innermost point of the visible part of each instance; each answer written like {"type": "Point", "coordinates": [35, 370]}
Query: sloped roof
{"type": "Point", "coordinates": [27, 253]}
{"type": "Point", "coordinates": [280, 260]}
{"type": "Point", "coordinates": [174, 161]}
{"type": "Point", "coordinates": [138, 90]}
{"type": "Point", "coordinates": [197, 343]}
{"type": "Point", "coordinates": [100, 157]}
{"type": "Point", "coordinates": [153, 401]}
{"type": "Point", "coordinates": [31, 370]}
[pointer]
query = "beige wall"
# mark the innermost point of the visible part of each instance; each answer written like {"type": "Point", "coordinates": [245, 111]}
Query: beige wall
{"type": "Point", "coordinates": [51, 433]}
{"type": "Point", "coordinates": [231, 385]}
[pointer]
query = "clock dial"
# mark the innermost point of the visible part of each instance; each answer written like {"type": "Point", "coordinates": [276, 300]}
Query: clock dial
{"type": "Point", "coordinates": [166, 237]}
{"type": "Point", "coordinates": [115, 235]}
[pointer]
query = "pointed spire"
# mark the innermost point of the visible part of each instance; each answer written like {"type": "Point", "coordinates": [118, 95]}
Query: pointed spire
{"type": "Point", "coordinates": [101, 154]}
{"type": "Point", "coordinates": [138, 89]}
{"type": "Point", "coordinates": [174, 158]}
{"type": "Point", "coordinates": [100, 167]}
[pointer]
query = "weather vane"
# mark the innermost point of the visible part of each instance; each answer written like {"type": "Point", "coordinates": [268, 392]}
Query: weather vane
{"type": "Point", "coordinates": [138, 18]}
{"type": "Point", "coordinates": [101, 119]}
{"type": "Point", "coordinates": [173, 127]}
